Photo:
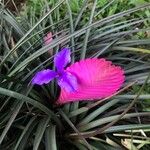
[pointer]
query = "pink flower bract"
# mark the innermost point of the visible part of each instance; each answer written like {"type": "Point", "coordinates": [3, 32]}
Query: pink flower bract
{"type": "Point", "coordinates": [96, 78]}
{"type": "Point", "coordinates": [48, 38]}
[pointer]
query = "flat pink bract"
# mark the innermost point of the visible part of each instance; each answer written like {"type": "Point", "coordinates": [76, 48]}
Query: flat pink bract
{"type": "Point", "coordinates": [97, 78]}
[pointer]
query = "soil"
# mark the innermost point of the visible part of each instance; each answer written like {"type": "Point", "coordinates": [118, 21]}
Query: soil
{"type": "Point", "coordinates": [14, 5]}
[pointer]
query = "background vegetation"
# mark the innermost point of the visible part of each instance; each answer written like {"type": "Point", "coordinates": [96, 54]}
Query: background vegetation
{"type": "Point", "coordinates": [117, 30]}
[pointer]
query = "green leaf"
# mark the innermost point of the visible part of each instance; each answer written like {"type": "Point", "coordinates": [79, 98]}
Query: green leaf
{"type": "Point", "coordinates": [105, 120]}
{"type": "Point", "coordinates": [30, 31]}
{"type": "Point", "coordinates": [21, 141]}
{"type": "Point", "coordinates": [127, 127]}
{"type": "Point", "coordinates": [40, 131]}
{"type": "Point", "coordinates": [83, 53]}
{"type": "Point", "coordinates": [98, 111]}
{"type": "Point", "coordinates": [75, 129]}
{"type": "Point", "coordinates": [71, 28]}
{"type": "Point", "coordinates": [50, 138]}
{"type": "Point", "coordinates": [145, 51]}
{"type": "Point", "coordinates": [137, 2]}
{"type": "Point", "coordinates": [77, 33]}
{"type": "Point", "coordinates": [11, 120]}
{"type": "Point", "coordinates": [28, 100]}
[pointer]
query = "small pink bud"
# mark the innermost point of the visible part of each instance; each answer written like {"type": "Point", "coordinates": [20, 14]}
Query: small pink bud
{"type": "Point", "coordinates": [47, 40]}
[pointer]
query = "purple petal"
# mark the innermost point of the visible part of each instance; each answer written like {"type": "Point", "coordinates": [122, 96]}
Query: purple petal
{"type": "Point", "coordinates": [68, 82]}
{"type": "Point", "coordinates": [62, 58]}
{"type": "Point", "coordinates": [44, 76]}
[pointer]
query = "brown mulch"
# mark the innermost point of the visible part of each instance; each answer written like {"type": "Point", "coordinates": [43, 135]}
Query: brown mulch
{"type": "Point", "coordinates": [14, 5]}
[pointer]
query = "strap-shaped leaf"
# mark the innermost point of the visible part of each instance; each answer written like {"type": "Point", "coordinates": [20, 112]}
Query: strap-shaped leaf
{"type": "Point", "coordinates": [40, 131]}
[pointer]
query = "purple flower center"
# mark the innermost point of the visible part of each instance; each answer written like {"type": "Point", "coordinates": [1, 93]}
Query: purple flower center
{"type": "Point", "coordinates": [64, 78]}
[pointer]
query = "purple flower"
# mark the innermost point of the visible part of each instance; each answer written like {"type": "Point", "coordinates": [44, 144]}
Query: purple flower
{"type": "Point", "coordinates": [65, 79]}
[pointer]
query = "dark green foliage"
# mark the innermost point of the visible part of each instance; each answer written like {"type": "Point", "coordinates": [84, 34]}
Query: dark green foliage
{"type": "Point", "coordinates": [29, 117]}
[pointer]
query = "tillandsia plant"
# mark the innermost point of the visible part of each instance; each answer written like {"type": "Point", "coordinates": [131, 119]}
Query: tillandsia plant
{"type": "Point", "coordinates": [92, 67]}
{"type": "Point", "coordinates": [88, 79]}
